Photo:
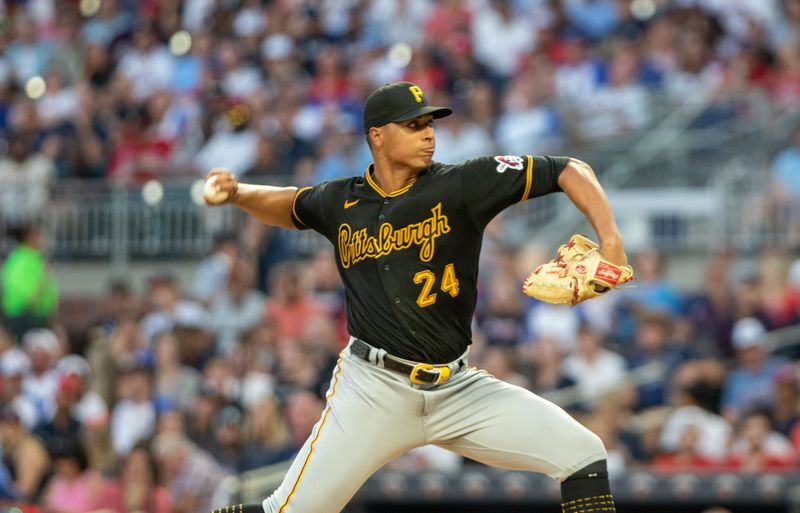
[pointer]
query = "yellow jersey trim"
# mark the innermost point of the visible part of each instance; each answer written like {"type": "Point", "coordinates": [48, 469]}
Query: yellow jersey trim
{"type": "Point", "coordinates": [294, 212]}
{"type": "Point", "coordinates": [380, 191]}
{"type": "Point", "coordinates": [528, 179]}
{"type": "Point", "coordinates": [322, 425]}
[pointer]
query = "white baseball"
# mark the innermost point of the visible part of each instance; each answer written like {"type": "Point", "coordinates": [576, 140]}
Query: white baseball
{"type": "Point", "coordinates": [212, 193]}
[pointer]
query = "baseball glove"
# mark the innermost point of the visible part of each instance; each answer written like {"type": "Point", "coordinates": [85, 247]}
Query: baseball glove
{"type": "Point", "coordinates": [579, 272]}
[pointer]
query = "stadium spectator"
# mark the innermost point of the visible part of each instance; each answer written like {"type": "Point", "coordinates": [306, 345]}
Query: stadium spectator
{"type": "Point", "coordinates": [501, 56]}
{"type": "Point", "coordinates": [237, 308]}
{"type": "Point", "coordinates": [136, 488]}
{"type": "Point", "coordinates": [653, 294]}
{"type": "Point", "coordinates": [501, 320]}
{"type": "Point", "coordinates": [528, 113]}
{"type": "Point", "coordinates": [14, 366]}
{"type": "Point", "coordinates": [303, 409]}
{"type": "Point", "coordinates": [595, 369]}
{"type": "Point", "coordinates": [327, 289]}
{"type": "Point", "coordinates": [784, 199]}
{"type": "Point", "coordinates": [74, 487]}
{"type": "Point", "coordinates": [749, 292]}
{"type": "Point", "coordinates": [173, 383]}
{"type": "Point", "coordinates": [497, 361]}
{"type": "Point", "coordinates": [711, 433]}
{"type": "Point", "coordinates": [75, 376]}
{"type": "Point", "coordinates": [290, 303]}
{"type": "Point", "coordinates": [200, 416]}
{"type": "Point", "coordinates": [459, 138]}
{"type": "Point", "coordinates": [63, 429]}
{"type": "Point", "coordinates": [29, 55]}
{"type": "Point", "coordinates": [752, 382]}
{"type": "Point", "coordinates": [620, 106]}
{"type": "Point", "coordinates": [24, 455]}
{"type": "Point", "coordinates": [295, 366]}
{"type": "Point", "coordinates": [228, 438]}
{"type": "Point", "coordinates": [269, 439]}
{"type": "Point", "coordinates": [29, 289]}
{"type": "Point", "coordinates": [133, 418]}
{"type": "Point", "coordinates": [711, 310]}
{"type": "Point", "coordinates": [758, 447]}
{"type": "Point", "coordinates": [558, 325]}
{"type": "Point", "coordinates": [550, 374]}
{"type": "Point", "coordinates": [190, 474]}
{"type": "Point", "coordinates": [41, 383]}
{"type": "Point", "coordinates": [686, 455]}
{"type": "Point", "coordinates": [786, 413]}
{"type": "Point", "coordinates": [653, 347]}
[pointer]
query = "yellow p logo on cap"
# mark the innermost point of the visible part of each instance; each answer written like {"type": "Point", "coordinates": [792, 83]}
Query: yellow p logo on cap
{"type": "Point", "coordinates": [417, 92]}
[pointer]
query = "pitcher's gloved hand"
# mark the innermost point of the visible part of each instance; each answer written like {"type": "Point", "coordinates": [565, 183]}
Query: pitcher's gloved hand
{"type": "Point", "coordinates": [579, 272]}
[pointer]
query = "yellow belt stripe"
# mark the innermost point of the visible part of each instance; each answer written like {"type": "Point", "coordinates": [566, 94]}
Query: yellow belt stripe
{"type": "Point", "coordinates": [311, 449]}
{"type": "Point", "coordinates": [528, 179]}
{"type": "Point", "coordinates": [294, 212]}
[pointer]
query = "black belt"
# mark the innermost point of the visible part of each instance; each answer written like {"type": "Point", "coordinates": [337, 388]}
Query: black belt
{"type": "Point", "coordinates": [419, 373]}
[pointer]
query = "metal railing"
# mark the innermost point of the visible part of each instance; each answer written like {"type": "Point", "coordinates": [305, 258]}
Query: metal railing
{"type": "Point", "coordinates": [696, 188]}
{"type": "Point", "coordinates": [681, 151]}
{"type": "Point", "coordinates": [95, 219]}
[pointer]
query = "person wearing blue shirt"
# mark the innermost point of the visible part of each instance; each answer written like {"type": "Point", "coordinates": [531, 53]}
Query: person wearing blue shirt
{"type": "Point", "coordinates": [752, 382]}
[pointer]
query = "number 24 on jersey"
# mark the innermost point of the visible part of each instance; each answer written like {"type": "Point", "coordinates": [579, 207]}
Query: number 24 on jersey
{"type": "Point", "coordinates": [427, 278]}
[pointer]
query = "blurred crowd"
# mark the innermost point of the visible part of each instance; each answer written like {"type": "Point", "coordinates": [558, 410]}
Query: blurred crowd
{"type": "Point", "coordinates": [131, 90]}
{"type": "Point", "coordinates": [172, 386]}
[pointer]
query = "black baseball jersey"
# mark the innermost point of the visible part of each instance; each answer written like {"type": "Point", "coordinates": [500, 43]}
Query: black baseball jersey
{"type": "Point", "coordinates": [409, 259]}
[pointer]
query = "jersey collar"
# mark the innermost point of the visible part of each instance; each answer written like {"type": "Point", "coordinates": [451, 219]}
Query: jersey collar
{"type": "Point", "coordinates": [372, 183]}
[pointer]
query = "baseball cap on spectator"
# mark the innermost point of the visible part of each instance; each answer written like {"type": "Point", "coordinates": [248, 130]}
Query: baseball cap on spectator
{"type": "Point", "coordinates": [14, 363]}
{"type": "Point", "coordinates": [255, 387]}
{"type": "Point", "coordinates": [228, 415]}
{"type": "Point", "coordinates": [277, 46]}
{"type": "Point", "coordinates": [164, 403]}
{"type": "Point", "coordinates": [210, 391]}
{"type": "Point", "coordinates": [748, 332]}
{"type": "Point", "coordinates": [399, 101]}
{"type": "Point", "coordinates": [42, 339]}
{"type": "Point", "coordinates": [69, 384]}
{"type": "Point", "coordinates": [249, 23]}
{"type": "Point", "coordinates": [189, 314]}
{"type": "Point", "coordinates": [74, 365]}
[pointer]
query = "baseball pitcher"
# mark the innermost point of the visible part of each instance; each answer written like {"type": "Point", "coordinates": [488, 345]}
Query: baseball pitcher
{"type": "Point", "coordinates": [407, 234]}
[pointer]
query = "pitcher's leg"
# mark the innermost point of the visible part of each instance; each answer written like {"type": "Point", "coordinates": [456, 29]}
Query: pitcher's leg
{"type": "Point", "coordinates": [354, 437]}
{"type": "Point", "coordinates": [509, 427]}
{"type": "Point", "coordinates": [506, 426]}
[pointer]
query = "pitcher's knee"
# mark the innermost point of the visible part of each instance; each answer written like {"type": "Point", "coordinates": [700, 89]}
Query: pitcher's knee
{"type": "Point", "coordinates": [586, 448]}
{"type": "Point", "coordinates": [587, 444]}
{"type": "Point", "coordinates": [594, 445]}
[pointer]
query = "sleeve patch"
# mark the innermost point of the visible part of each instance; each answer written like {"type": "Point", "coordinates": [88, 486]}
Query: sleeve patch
{"type": "Point", "coordinates": [509, 162]}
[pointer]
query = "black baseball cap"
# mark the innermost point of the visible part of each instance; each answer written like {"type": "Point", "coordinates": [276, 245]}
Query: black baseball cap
{"type": "Point", "coordinates": [398, 101]}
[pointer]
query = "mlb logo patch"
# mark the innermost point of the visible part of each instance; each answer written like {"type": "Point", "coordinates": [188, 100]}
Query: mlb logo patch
{"type": "Point", "coordinates": [509, 162]}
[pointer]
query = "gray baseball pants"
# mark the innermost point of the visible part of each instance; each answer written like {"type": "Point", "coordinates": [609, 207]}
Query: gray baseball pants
{"type": "Point", "coordinates": [373, 415]}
